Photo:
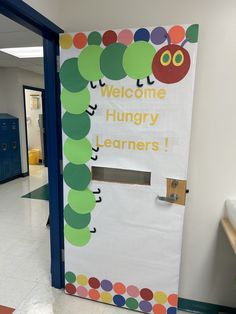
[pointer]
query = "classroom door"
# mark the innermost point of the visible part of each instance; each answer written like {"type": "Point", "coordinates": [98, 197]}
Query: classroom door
{"type": "Point", "coordinates": [127, 101]}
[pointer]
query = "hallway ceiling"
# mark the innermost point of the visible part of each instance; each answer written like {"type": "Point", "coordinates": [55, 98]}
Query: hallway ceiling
{"type": "Point", "coordinates": [14, 35]}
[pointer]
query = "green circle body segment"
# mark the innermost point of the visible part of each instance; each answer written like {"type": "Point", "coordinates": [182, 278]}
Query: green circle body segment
{"type": "Point", "coordinates": [137, 60]}
{"type": "Point", "coordinates": [70, 277]}
{"type": "Point", "coordinates": [77, 237]}
{"type": "Point", "coordinates": [89, 63]}
{"type": "Point", "coordinates": [82, 202]}
{"type": "Point", "coordinates": [77, 177]}
{"type": "Point", "coordinates": [76, 126]}
{"type": "Point", "coordinates": [78, 151]}
{"type": "Point", "coordinates": [75, 220]}
{"type": "Point", "coordinates": [70, 77]}
{"type": "Point", "coordinates": [75, 103]}
{"type": "Point", "coordinates": [111, 61]}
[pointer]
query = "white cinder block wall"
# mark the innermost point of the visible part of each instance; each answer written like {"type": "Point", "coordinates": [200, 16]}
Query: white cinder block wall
{"type": "Point", "coordinates": [208, 264]}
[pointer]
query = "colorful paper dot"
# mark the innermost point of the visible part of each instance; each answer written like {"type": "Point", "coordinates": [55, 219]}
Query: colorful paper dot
{"type": "Point", "coordinates": [192, 33]}
{"type": "Point", "coordinates": [66, 41]}
{"type": "Point", "coordinates": [82, 292]}
{"type": "Point", "coordinates": [109, 37]}
{"type": "Point", "coordinates": [173, 299]}
{"type": "Point", "coordinates": [142, 34]}
{"type": "Point", "coordinates": [172, 310]}
{"type": "Point", "coordinates": [119, 288]}
{"type": "Point", "coordinates": [125, 37]}
{"type": "Point", "coordinates": [132, 303]}
{"type": "Point", "coordinates": [145, 306]}
{"type": "Point", "coordinates": [80, 40]}
{"type": "Point", "coordinates": [70, 277]}
{"type": "Point", "coordinates": [94, 283]}
{"type": "Point", "coordinates": [69, 288]}
{"type": "Point", "coordinates": [94, 294]}
{"type": "Point", "coordinates": [159, 309]}
{"type": "Point", "coordinates": [158, 35]}
{"type": "Point", "coordinates": [133, 291]}
{"type": "Point", "coordinates": [119, 300]}
{"type": "Point", "coordinates": [160, 297]}
{"type": "Point", "coordinates": [82, 280]}
{"type": "Point", "coordinates": [106, 297]}
{"type": "Point", "coordinates": [94, 38]}
{"type": "Point", "coordinates": [146, 294]}
{"type": "Point", "coordinates": [176, 34]}
{"type": "Point", "coordinates": [106, 285]}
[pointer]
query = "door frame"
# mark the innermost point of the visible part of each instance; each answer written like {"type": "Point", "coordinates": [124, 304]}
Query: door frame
{"type": "Point", "coordinates": [42, 90]}
{"type": "Point", "coordinates": [23, 14]}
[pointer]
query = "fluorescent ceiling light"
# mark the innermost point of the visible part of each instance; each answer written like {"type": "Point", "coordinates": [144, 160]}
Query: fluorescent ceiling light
{"type": "Point", "coordinates": [24, 52]}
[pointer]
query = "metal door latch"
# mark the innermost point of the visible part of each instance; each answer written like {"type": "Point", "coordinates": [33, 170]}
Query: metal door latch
{"type": "Point", "coordinates": [171, 199]}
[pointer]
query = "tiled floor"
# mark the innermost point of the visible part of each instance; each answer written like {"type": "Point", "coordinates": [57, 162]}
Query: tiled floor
{"type": "Point", "coordinates": [24, 255]}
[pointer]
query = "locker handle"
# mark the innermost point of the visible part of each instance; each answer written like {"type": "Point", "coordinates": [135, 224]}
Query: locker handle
{"type": "Point", "coordinates": [172, 198]}
{"type": "Point", "coordinates": [14, 145]}
{"type": "Point", "coordinates": [4, 147]}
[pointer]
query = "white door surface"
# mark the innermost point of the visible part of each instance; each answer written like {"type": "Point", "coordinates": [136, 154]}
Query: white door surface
{"type": "Point", "coordinates": [127, 99]}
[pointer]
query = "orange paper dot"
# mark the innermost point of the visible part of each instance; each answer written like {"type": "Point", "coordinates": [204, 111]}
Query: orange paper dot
{"type": "Point", "coordinates": [173, 299]}
{"type": "Point", "coordinates": [80, 40]}
{"type": "Point", "coordinates": [94, 294]}
{"type": "Point", "coordinates": [177, 34]}
{"type": "Point", "coordinates": [119, 288]}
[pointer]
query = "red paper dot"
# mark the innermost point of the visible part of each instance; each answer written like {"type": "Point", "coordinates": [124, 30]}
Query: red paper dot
{"type": "Point", "coordinates": [146, 294]}
{"type": "Point", "coordinates": [94, 294]}
{"type": "Point", "coordinates": [109, 37]}
{"type": "Point", "coordinates": [80, 40]}
{"type": "Point", "coordinates": [94, 283]}
{"type": "Point", "coordinates": [173, 299]}
{"type": "Point", "coordinates": [71, 289]}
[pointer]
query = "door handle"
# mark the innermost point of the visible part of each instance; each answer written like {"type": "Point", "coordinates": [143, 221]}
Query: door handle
{"type": "Point", "coordinates": [171, 199]}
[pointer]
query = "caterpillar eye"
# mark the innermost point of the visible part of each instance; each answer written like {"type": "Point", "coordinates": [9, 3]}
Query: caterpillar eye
{"type": "Point", "coordinates": [166, 58]}
{"type": "Point", "coordinates": [178, 58]}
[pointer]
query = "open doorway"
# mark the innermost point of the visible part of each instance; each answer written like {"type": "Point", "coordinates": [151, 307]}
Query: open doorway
{"type": "Point", "coordinates": [34, 104]}
{"type": "Point", "coordinates": [13, 76]}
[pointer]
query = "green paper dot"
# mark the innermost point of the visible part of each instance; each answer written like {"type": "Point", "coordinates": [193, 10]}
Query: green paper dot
{"type": "Point", "coordinates": [70, 77]}
{"type": "Point", "coordinates": [132, 303]}
{"type": "Point", "coordinates": [78, 152]}
{"type": "Point", "coordinates": [89, 63]}
{"type": "Point", "coordinates": [75, 103]}
{"type": "Point", "coordinates": [94, 38]}
{"type": "Point", "coordinates": [76, 126]}
{"type": "Point", "coordinates": [76, 220]}
{"type": "Point", "coordinates": [83, 202]}
{"type": "Point", "coordinates": [77, 177]}
{"type": "Point", "coordinates": [70, 277]}
{"type": "Point", "coordinates": [138, 58]}
{"type": "Point", "coordinates": [77, 237]}
{"type": "Point", "coordinates": [111, 61]}
{"type": "Point", "coordinates": [192, 33]}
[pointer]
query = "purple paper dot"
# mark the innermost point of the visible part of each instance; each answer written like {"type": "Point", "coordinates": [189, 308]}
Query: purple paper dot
{"type": "Point", "coordinates": [145, 306]}
{"type": "Point", "coordinates": [106, 285]}
{"type": "Point", "coordinates": [158, 35]}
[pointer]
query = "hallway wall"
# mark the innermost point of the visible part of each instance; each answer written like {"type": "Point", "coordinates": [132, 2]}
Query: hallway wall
{"type": "Point", "coordinates": [12, 100]}
{"type": "Point", "coordinates": [208, 263]}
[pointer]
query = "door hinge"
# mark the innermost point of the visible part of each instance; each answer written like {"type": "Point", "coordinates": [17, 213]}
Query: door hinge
{"type": "Point", "coordinates": [58, 64]}
{"type": "Point", "coordinates": [63, 255]}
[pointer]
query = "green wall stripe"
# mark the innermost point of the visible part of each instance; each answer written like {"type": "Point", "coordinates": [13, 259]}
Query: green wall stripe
{"type": "Point", "coordinates": [203, 307]}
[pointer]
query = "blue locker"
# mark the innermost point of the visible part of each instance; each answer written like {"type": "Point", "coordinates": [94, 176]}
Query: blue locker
{"type": "Point", "coordinates": [10, 158]}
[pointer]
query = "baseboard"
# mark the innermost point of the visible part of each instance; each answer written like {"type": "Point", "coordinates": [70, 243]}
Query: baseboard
{"type": "Point", "coordinates": [25, 174]}
{"type": "Point", "coordinates": [203, 307]}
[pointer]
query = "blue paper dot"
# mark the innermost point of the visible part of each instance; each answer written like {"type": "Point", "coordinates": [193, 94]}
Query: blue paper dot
{"type": "Point", "coordinates": [119, 300]}
{"type": "Point", "coordinates": [142, 34]}
{"type": "Point", "coordinates": [172, 310]}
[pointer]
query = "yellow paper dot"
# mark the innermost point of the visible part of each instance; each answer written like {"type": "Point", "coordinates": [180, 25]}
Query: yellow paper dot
{"type": "Point", "coordinates": [66, 41]}
{"type": "Point", "coordinates": [106, 297]}
{"type": "Point", "coordinates": [82, 280]}
{"type": "Point", "coordinates": [160, 297]}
